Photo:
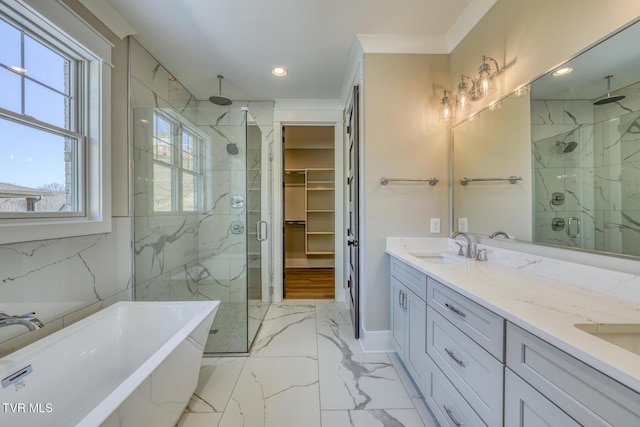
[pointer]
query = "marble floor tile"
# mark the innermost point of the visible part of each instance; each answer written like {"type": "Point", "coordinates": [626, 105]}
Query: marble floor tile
{"type": "Point", "coordinates": [351, 379]}
{"type": "Point", "coordinates": [275, 392]}
{"type": "Point", "coordinates": [288, 329]}
{"type": "Point", "coordinates": [372, 418]}
{"type": "Point", "coordinates": [332, 313]}
{"type": "Point", "coordinates": [306, 369]}
{"type": "Point", "coordinates": [218, 377]}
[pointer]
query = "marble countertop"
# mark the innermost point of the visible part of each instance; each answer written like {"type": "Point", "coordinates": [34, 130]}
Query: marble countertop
{"type": "Point", "coordinates": [546, 307]}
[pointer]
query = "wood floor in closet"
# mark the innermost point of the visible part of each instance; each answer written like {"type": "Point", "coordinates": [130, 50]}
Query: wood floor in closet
{"type": "Point", "coordinates": [310, 283]}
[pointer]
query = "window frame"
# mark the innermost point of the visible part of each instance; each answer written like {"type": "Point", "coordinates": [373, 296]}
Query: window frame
{"type": "Point", "coordinates": [179, 125]}
{"type": "Point", "coordinates": [65, 32]}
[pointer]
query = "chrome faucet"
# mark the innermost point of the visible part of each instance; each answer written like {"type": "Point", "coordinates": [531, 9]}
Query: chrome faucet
{"type": "Point", "coordinates": [499, 233]}
{"type": "Point", "coordinates": [28, 319]}
{"type": "Point", "coordinates": [469, 253]}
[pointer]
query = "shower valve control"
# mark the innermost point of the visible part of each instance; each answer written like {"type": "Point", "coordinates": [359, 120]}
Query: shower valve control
{"type": "Point", "coordinates": [558, 224]}
{"type": "Point", "coordinates": [237, 227]}
{"type": "Point", "coordinates": [557, 198]}
{"type": "Point", "coordinates": [237, 201]}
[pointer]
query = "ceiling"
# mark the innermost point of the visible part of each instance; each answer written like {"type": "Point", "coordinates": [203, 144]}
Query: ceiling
{"type": "Point", "coordinates": [615, 56]}
{"type": "Point", "coordinates": [244, 39]}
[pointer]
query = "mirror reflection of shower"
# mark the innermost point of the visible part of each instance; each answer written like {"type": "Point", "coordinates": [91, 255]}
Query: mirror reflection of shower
{"type": "Point", "coordinates": [567, 147]}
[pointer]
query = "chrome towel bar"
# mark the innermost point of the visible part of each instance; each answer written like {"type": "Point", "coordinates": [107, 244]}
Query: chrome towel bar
{"type": "Point", "coordinates": [512, 179]}
{"type": "Point", "coordinates": [432, 181]}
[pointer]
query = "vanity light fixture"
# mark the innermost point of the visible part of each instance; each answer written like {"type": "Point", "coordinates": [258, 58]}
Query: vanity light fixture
{"type": "Point", "coordinates": [446, 108]}
{"type": "Point", "coordinates": [17, 70]}
{"type": "Point", "coordinates": [562, 71]}
{"type": "Point", "coordinates": [484, 80]}
{"type": "Point", "coordinates": [465, 93]}
{"type": "Point", "coordinates": [279, 71]}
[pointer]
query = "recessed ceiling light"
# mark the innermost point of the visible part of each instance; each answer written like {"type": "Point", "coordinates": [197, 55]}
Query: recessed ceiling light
{"type": "Point", "coordinates": [562, 71]}
{"type": "Point", "coordinates": [279, 71]}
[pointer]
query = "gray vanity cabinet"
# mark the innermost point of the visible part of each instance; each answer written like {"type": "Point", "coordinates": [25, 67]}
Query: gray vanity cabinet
{"type": "Point", "coordinates": [524, 406]}
{"type": "Point", "coordinates": [465, 343]}
{"type": "Point", "coordinates": [577, 389]}
{"type": "Point", "coordinates": [408, 313]}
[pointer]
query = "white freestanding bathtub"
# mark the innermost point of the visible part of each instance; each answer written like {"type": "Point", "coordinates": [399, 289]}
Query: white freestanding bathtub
{"type": "Point", "coordinates": [131, 364]}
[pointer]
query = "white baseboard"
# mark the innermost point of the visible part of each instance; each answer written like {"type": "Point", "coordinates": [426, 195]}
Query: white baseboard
{"type": "Point", "coordinates": [376, 341]}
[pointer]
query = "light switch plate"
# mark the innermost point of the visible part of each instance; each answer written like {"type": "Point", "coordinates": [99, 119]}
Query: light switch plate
{"type": "Point", "coordinates": [463, 225]}
{"type": "Point", "coordinates": [435, 225]}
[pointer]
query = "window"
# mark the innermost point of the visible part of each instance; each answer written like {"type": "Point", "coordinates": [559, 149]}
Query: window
{"type": "Point", "coordinates": [54, 127]}
{"type": "Point", "coordinates": [177, 164]}
{"type": "Point", "coordinates": [40, 145]}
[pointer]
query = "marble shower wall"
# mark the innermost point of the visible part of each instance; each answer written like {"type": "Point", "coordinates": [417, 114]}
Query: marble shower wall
{"type": "Point", "coordinates": [187, 256]}
{"type": "Point", "coordinates": [165, 245]}
{"type": "Point", "coordinates": [225, 256]}
{"type": "Point", "coordinates": [600, 178]}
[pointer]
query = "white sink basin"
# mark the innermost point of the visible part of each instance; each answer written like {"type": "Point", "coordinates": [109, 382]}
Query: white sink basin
{"type": "Point", "coordinates": [441, 258]}
{"type": "Point", "coordinates": [624, 335]}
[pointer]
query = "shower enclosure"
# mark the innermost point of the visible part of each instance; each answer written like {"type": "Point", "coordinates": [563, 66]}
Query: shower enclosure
{"type": "Point", "coordinates": [202, 210]}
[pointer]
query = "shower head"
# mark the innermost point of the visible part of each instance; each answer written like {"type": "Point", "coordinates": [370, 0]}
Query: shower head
{"type": "Point", "coordinates": [609, 99]}
{"type": "Point", "coordinates": [220, 100]}
{"type": "Point", "coordinates": [567, 147]}
{"type": "Point", "coordinates": [232, 148]}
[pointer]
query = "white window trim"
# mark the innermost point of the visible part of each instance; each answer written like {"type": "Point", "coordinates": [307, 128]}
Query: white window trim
{"type": "Point", "coordinates": [180, 122]}
{"type": "Point", "coordinates": [58, 22]}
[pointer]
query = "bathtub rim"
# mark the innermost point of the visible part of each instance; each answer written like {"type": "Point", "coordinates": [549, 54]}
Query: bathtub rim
{"type": "Point", "coordinates": [113, 400]}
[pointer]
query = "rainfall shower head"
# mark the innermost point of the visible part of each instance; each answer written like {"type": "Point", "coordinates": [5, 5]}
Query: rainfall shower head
{"type": "Point", "coordinates": [609, 99]}
{"type": "Point", "coordinates": [567, 147]}
{"type": "Point", "coordinates": [220, 100]}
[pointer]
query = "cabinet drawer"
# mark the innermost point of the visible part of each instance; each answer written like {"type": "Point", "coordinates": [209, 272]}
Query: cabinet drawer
{"type": "Point", "coordinates": [446, 403]}
{"type": "Point", "coordinates": [410, 277]}
{"type": "Point", "coordinates": [476, 374]}
{"type": "Point", "coordinates": [482, 325]}
{"type": "Point", "coordinates": [525, 407]}
{"type": "Point", "coordinates": [587, 395]}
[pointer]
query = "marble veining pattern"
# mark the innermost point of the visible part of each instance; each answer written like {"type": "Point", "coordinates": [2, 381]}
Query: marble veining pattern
{"type": "Point", "coordinates": [64, 279]}
{"type": "Point", "coordinates": [281, 385]}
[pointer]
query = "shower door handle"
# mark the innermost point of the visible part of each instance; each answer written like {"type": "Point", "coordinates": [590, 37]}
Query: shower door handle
{"type": "Point", "coordinates": [573, 220]}
{"type": "Point", "coordinates": [259, 231]}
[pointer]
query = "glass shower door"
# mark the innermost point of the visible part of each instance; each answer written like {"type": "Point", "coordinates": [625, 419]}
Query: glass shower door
{"type": "Point", "coordinates": [200, 220]}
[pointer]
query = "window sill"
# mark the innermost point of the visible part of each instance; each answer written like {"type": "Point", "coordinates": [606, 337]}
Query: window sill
{"type": "Point", "coordinates": [52, 229]}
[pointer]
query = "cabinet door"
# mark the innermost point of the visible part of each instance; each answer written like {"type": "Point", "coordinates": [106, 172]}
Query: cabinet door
{"type": "Point", "coordinates": [588, 395]}
{"type": "Point", "coordinates": [448, 406]}
{"type": "Point", "coordinates": [476, 374]}
{"type": "Point", "coordinates": [397, 316]}
{"type": "Point", "coordinates": [525, 407]}
{"type": "Point", "coordinates": [415, 344]}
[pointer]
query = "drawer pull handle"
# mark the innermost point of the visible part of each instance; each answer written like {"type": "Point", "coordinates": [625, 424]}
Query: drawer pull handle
{"type": "Point", "coordinates": [450, 413]}
{"type": "Point", "coordinates": [454, 357]}
{"type": "Point", "coordinates": [455, 310]}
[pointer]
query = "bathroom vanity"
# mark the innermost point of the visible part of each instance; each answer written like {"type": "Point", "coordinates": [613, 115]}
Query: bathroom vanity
{"type": "Point", "coordinates": [491, 344]}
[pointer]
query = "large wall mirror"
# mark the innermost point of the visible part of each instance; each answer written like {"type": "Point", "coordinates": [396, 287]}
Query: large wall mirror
{"type": "Point", "coordinates": [571, 145]}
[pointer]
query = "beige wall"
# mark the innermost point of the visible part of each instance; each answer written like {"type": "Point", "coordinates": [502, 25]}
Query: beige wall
{"type": "Point", "coordinates": [119, 112]}
{"type": "Point", "coordinates": [495, 145]}
{"type": "Point", "coordinates": [532, 37]}
{"type": "Point", "coordinates": [402, 138]}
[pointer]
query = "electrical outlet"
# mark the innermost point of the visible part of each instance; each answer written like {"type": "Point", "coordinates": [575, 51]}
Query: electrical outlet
{"type": "Point", "coordinates": [463, 225]}
{"type": "Point", "coordinates": [435, 225]}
